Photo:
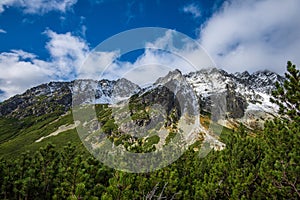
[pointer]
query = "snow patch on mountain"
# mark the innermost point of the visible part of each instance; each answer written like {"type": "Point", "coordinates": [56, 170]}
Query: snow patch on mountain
{"type": "Point", "coordinates": [254, 88]}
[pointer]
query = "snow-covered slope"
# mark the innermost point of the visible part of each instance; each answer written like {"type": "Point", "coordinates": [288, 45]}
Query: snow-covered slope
{"type": "Point", "coordinates": [254, 90]}
{"type": "Point", "coordinates": [103, 91]}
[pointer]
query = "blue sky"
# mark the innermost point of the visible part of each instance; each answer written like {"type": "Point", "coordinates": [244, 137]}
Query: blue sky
{"type": "Point", "coordinates": [42, 41]}
{"type": "Point", "coordinates": [95, 21]}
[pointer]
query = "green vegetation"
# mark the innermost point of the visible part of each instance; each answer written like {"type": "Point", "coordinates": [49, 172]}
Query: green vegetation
{"type": "Point", "coordinates": [264, 164]}
{"type": "Point", "coordinates": [170, 136]}
{"type": "Point", "coordinates": [137, 108]}
{"type": "Point", "coordinates": [288, 95]}
{"type": "Point", "coordinates": [139, 115]}
{"type": "Point", "coordinates": [18, 136]}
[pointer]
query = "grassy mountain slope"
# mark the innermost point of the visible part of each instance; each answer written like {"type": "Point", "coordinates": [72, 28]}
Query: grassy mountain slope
{"type": "Point", "coordinates": [19, 135]}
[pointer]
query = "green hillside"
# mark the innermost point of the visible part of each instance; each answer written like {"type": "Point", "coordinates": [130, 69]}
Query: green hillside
{"type": "Point", "coordinates": [18, 136]}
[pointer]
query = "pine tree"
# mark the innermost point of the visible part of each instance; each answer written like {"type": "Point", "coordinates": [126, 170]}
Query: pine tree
{"type": "Point", "coordinates": [281, 139]}
{"type": "Point", "coordinates": [287, 96]}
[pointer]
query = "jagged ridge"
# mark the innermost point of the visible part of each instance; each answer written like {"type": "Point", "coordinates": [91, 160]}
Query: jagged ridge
{"type": "Point", "coordinates": [244, 92]}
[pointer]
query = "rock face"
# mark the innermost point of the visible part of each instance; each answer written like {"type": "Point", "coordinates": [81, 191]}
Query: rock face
{"type": "Point", "coordinates": [154, 106]}
{"type": "Point", "coordinates": [57, 96]}
{"type": "Point", "coordinates": [236, 103]}
{"type": "Point", "coordinates": [243, 94]}
{"type": "Point", "coordinates": [261, 81]}
{"type": "Point", "coordinates": [124, 88]}
{"type": "Point", "coordinates": [183, 91]}
{"type": "Point", "coordinates": [170, 97]}
{"type": "Point", "coordinates": [45, 98]}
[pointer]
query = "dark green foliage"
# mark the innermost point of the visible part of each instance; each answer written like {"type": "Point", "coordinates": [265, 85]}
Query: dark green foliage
{"type": "Point", "coordinates": [250, 167]}
{"type": "Point", "coordinates": [109, 127]}
{"type": "Point", "coordinates": [281, 163]}
{"type": "Point", "coordinates": [51, 174]}
{"type": "Point", "coordinates": [170, 136]}
{"type": "Point", "coordinates": [288, 95]}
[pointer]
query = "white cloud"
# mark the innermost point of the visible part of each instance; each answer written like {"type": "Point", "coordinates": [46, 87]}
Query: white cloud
{"type": "Point", "coordinates": [192, 9]}
{"type": "Point", "coordinates": [20, 70]}
{"type": "Point", "coordinates": [83, 30]}
{"type": "Point", "coordinates": [70, 58]}
{"type": "Point", "coordinates": [23, 54]}
{"type": "Point", "coordinates": [253, 35]}
{"type": "Point", "coordinates": [67, 53]}
{"type": "Point", "coordinates": [38, 6]}
{"type": "Point", "coordinates": [146, 69]}
{"type": "Point", "coordinates": [17, 74]}
{"type": "Point", "coordinates": [95, 64]}
{"type": "Point", "coordinates": [169, 52]}
{"type": "Point", "coordinates": [2, 31]}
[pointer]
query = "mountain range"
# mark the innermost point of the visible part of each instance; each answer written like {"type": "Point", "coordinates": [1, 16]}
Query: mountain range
{"type": "Point", "coordinates": [45, 110]}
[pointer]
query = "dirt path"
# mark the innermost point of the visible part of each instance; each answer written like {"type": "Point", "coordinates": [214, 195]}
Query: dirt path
{"type": "Point", "coordinates": [60, 129]}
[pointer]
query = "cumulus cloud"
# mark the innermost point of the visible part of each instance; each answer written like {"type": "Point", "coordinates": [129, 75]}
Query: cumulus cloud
{"type": "Point", "coordinates": [253, 35]}
{"type": "Point", "coordinates": [2, 31]}
{"type": "Point", "coordinates": [38, 6]}
{"type": "Point", "coordinates": [169, 52]}
{"type": "Point", "coordinates": [145, 70]}
{"type": "Point", "coordinates": [71, 58]}
{"type": "Point", "coordinates": [96, 63]}
{"type": "Point", "coordinates": [20, 70]}
{"type": "Point", "coordinates": [192, 9]}
{"type": "Point", "coordinates": [67, 53]}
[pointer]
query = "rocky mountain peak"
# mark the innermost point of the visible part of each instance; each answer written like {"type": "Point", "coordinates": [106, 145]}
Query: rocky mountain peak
{"type": "Point", "coordinates": [244, 92]}
{"type": "Point", "coordinates": [57, 96]}
{"type": "Point", "coordinates": [39, 100]}
{"type": "Point", "coordinates": [244, 75]}
{"type": "Point", "coordinates": [172, 75]}
{"type": "Point", "coordinates": [124, 88]}
{"type": "Point", "coordinates": [263, 81]}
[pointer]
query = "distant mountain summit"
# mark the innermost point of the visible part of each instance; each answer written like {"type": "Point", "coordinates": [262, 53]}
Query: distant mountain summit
{"type": "Point", "coordinates": [263, 81]}
{"type": "Point", "coordinates": [247, 95]}
{"type": "Point", "coordinates": [39, 100]}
